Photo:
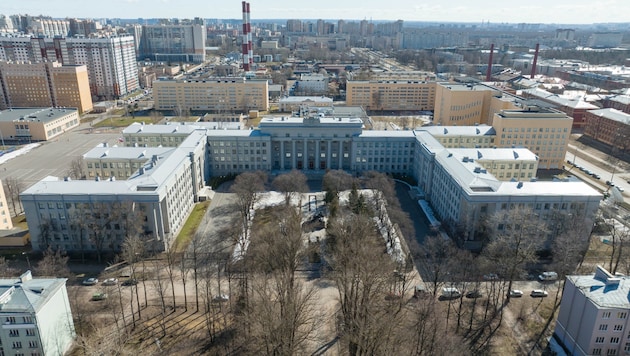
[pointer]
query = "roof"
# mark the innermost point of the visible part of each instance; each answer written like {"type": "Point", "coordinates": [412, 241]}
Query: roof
{"type": "Point", "coordinates": [612, 114]}
{"type": "Point", "coordinates": [138, 128]}
{"type": "Point", "coordinates": [27, 295]}
{"type": "Point", "coordinates": [300, 99]}
{"type": "Point", "coordinates": [115, 152]}
{"type": "Point", "coordinates": [35, 114]}
{"type": "Point", "coordinates": [604, 289]}
{"type": "Point", "coordinates": [479, 130]}
{"type": "Point", "coordinates": [560, 100]}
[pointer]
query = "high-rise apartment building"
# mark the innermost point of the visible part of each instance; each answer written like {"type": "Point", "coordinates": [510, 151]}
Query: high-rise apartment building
{"type": "Point", "coordinates": [176, 43]}
{"type": "Point", "coordinates": [44, 85]}
{"type": "Point", "coordinates": [110, 61]}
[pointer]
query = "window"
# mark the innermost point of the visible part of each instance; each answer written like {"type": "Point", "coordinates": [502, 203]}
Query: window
{"type": "Point", "coordinates": [10, 319]}
{"type": "Point", "coordinates": [611, 352]}
{"type": "Point", "coordinates": [627, 347]}
{"type": "Point", "coordinates": [622, 315]}
{"type": "Point", "coordinates": [603, 327]}
{"type": "Point", "coordinates": [618, 328]}
{"type": "Point", "coordinates": [14, 333]}
{"type": "Point", "coordinates": [17, 344]}
{"type": "Point", "coordinates": [606, 315]}
{"type": "Point", "coordinates": [614, 340]}
{"type": "Point", "coordinates": [30, 332]}
{"type": "Point", "coordinates": [597, 351]}
{"type": "Point", "coordinates": [32, 344]}
{"type": "Point", "coordinates": [599, 340]}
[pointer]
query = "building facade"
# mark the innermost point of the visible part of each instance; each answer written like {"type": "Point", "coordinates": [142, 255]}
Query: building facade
{"type": "Point", "coordinates": [36, 316]}
{"type": "Point", "coordinates": [397, 95]}
{"type": "Point", "coordinates": [110, 61]}
{"type": "Point", "coordinates": [544, 132]}
{"type": "Point", "coordinates": [609, 126]}
{"type": "Point", "coordinates": [44, 85]}
{"type": "Point", "coordinates": [173, 43]}
{"type": "Point", "coordinates": [572, 107]}
{"type": "Point", "coordinates": [594, 314]}
{"type": "Point", "coordinates": [216, 95]}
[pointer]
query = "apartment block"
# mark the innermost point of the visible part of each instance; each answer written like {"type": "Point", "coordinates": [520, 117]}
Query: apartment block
{"type": "Point", "coordinates": [176, 43]}
{"type": "Point", "coordinates": [36, 316]}
{"type": "Point", "coordinates": [44, 85]}
{"type": "Point", "coordinates": [110, 61]}
{"type": "Point", "coordinates": [609, 126]}
{"type": "Point", "coordinates": [543, 131]}
{"type": "Point", "coordinates": [212, 94]}
{"type": "Point", "coordinates": [36, 124]}
{"type": "Point", "coordinates": [594, 314]}
{"type": "Point", "coordinates": [395, 95]}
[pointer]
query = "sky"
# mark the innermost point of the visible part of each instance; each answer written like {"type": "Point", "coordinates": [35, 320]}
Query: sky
{"type": "Point", "coordinates": [474, 11]}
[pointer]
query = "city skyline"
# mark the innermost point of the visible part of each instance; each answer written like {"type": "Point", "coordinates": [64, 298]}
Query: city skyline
{"type": "Point", "coordinates": [477, 11]}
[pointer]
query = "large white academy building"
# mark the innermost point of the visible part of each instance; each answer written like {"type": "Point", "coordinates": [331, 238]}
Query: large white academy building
{"type": "Point", "coordinates": [461, 184]}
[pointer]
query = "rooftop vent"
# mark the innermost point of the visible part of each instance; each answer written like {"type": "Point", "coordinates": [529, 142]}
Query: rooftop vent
{"type": "Point", "coordinates": [519, 185]}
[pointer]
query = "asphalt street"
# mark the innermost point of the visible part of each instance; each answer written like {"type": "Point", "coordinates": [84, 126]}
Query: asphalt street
{"type": "Point", "coordinates": [53, 158]}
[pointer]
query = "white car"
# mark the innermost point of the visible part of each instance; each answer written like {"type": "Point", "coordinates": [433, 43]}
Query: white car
{"type": "Point", "coordinates": [515, 293]}
{"type": "Point", "coordinates": [90, 281]}
{"type": "Point", "coordinates": [110, 282]}
{"type": "Point", "coordinates": [538, 293]}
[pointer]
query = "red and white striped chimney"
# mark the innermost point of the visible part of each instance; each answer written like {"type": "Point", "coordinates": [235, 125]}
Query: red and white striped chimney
{"type": "Point", "coordinates": [246, 35]}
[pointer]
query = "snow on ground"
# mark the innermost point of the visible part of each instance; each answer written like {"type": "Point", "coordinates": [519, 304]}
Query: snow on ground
{"type": "Point", "coordinates": [23, 150]}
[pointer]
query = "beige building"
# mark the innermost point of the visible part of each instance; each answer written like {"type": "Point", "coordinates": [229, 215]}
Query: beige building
{"type": "Point", "coordinates": [113, 163]}
{"type": "Point", "coordinates": [140, 135]}
{"type": "Point", "coordinates": [469, 104]}
{"type": "Point", "coordinates": [543, 131]}
{"type": "Point", "coordinates": [211, 94]}
{"type": "Point", "coordinates": [44, 85]}
{"type": "Point", "coordinates": [391, 94]}
{"type": "Point", "coordinates": [36, 124]}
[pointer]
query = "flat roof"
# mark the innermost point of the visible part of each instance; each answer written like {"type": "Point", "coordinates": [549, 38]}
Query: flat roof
{"type": "Point", "coordinates": [34, 114]}
{"type": "Point", "coordinates": [612, 114]}
{"type": "Point", "coordinates": [176, 129]}
{"type": "Point", "coordinates": [560, 100]}
{"type": "Point", "coordinates": [299, 99]}
{"type": "Point", "coordinates": [479, 130]}
{"type": "Point", "coordinates": [603, 294]}
{"type": "Point", "coordinates": [115, 152]}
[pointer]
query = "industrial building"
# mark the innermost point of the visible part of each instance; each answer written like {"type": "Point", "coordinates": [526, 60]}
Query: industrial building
{"type": "Point", "coordinates": [36, 124]}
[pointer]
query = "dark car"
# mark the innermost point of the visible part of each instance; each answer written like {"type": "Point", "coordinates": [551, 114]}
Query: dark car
{"type": "Point", "coordinates": [473, 294]}
{"type": "Point", "coordinates": [130, 282]}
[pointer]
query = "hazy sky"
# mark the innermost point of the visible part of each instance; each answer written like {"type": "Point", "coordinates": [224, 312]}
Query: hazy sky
{"type": "Point", "coordinates": [496, 11]}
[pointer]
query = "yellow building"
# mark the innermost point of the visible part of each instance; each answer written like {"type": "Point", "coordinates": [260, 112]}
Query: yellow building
{"type": "Point", "coordinates": [46, 84]}
{"type": "Point", "coordinates": [543, 131]}
{"type": "Point", "coordinates": [212, 94]}
{"type": "Point", "coordinates": [464, 104]}
{"type": "Point", "coordinates": [36, 124]}
{"type": "Point", "coordinates": [398, 95]}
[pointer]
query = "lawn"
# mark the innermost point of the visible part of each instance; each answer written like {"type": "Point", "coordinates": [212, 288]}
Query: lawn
{"type": "Point", "coordinates": [191, 225]}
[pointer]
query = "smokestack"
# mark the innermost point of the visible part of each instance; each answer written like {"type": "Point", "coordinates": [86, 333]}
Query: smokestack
{"type": "Point", "coordinates": [245, 44]}
{"type": "Point", "coordinates": [535, 62]}
{"type": "Point", "coordinates": [250, 51]}
{"type": "Point", "coordinates": [489, 71]}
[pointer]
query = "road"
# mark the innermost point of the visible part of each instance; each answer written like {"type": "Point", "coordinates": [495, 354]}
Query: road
{"type": "Point", "coordinates": [54, 157]}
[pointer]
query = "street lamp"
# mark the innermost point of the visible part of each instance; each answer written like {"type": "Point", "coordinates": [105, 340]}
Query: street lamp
{"type": "Point", "coordinates": [28, 261]}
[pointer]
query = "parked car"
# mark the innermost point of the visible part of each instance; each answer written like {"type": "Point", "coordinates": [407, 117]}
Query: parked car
{"type": "Point", "coordinates": [473, 294]}
{"type": "Point", "coordinates": [619, 188]}
{"type": "Point", "coordinates": [130, 282]}
{"type": "Point", "coordinates": [491, 277]}
{"type": "Point", "coordinates": [596, 176]}
{"type": "Point", "coordinates": [515, 293]}
{"type": "Point", "coordinates": [548, 276]}
{"type": "Point", "coordinates": [451, 293]}
{"type": "Point", "coordinates": [220, 298]}
{"type": "Point", "coordinates": [99, 296]}
{"type": "Point", "coordinates": [90, 281]}
{"type": "Point", "coordinates": [538, 293]}
{"type": "Point", "coordinates": [110, 282]}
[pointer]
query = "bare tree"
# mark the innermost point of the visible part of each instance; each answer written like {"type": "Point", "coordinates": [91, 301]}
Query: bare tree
{"type": "Point", "coordinates": [77, 169]}
{"type": "Point", "coordinates": [516, 236]}
{"type": "Point", "coordinates": [291, 184]}
{"type": "Point", "coordinates": [13, 188]}
{"type": "Point", "coordinates": [54, 264]}
{"type": "Point", "coordinates": [6, 270]}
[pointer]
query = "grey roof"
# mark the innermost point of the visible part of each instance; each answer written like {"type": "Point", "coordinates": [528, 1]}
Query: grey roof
{"type": "Point", "coordinates": [300, 99]}
{"type": "Point", "coordinates": [115, 152]}
{"type": "Point", "coordinates": [34, 114]}
{"type": "Point", "coordinates": [183, 129]}
{"type": "Point", "coordinates": [612, 114]}
{"type": "Point", "coordinates": [479, 130]}
{"type": "Point", "coordinates": [28, 295]}
{"type": "Point", "coordinates": [560, 100]}
{"type": "Point", "coordinates": [623, 99]}
{"type": "Point", "coordinates": [604, 291]}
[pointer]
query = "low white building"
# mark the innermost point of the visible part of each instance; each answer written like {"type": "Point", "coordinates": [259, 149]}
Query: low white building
{"type": "Point", "coordinates": [35, 315]}
{"type": "Point", "coordinates": [594, 314]}
{"type": "Point", "coordinates": [293, 103]}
